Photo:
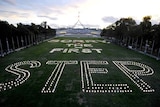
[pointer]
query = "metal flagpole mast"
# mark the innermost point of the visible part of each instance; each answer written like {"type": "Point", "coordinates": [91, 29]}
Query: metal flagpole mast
{"type": "Point", "coordinates": [78, 21]}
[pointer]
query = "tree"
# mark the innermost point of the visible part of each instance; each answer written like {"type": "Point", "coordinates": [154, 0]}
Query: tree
{"type": "Point", "coordinates": [12, 37]}
{"type": "Point", "coordinates": [5, 35]}
{"type": "Point", "coordinates": [155, 32]}
{"type": "Point", "coordinates": [146, 31]}
{"type": "Point", "coordinates": [146, 27]}
{"type": "Point", "coordinates": [123, 27]}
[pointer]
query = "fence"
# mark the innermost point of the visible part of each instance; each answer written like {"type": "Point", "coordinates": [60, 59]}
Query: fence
{"type": "Point", "coordinates": [16, 43]}
{"type": "Point", "coordinates": [141, 48]}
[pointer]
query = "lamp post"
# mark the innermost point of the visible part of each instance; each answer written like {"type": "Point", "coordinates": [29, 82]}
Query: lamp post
{"type": "Point", "coordinates": [158, 54]}
{"type": "Point", "coordinates": [17, 41]}
{"type": "Point", "coordinates": [7, 45]}
{"type": "Point", "coordinates": [1, 48]}
{"type": "Point", "coordinates": [22, 41]}
{"type": "Point", "coordinates": [13, 44]}
{"type": "Point", "coordinates": [146, 46]}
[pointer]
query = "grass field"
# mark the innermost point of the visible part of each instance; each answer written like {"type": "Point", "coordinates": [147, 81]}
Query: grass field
{"type": "Point", "coordinates": [69, 91]}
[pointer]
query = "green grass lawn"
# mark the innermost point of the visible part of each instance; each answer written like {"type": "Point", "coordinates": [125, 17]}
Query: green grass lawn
{"type": "Point", "coordinates": [68, 92]}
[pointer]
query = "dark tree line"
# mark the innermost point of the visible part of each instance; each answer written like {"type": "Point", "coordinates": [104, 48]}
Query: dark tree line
{"type": "Point", "coordinates": [12, 38]}
{"type": "Point", "coordinates": [144, 36]}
